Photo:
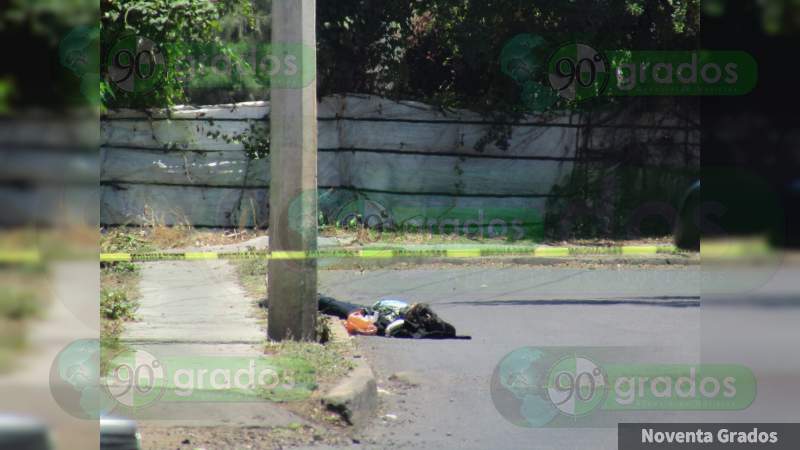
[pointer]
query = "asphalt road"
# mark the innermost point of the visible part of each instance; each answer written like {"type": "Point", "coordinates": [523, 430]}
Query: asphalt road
{"type": "Point", "coordinates": [504, 309]}
{"type": "Point", "coordinates": [749, 316]}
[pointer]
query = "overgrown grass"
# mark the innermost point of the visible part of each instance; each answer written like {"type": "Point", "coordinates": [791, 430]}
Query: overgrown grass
{"type": "Point", "coordinates": [119, 294]}
{"type": "Point", "coordinates": [329, 358]}
{"type": "Point", "coordinates": [330, 361]}
{"type": "Point", "coordinates": [123, 240]}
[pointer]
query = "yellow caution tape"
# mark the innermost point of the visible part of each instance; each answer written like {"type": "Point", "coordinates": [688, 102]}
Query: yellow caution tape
{"type": "Point", "coordinates": [475, 252]}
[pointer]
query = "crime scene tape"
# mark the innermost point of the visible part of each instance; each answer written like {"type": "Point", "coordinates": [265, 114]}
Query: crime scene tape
{"type": "Point", "coordinates": [20, 257]}
{"type": "Point", "coordinates": [377, 253]}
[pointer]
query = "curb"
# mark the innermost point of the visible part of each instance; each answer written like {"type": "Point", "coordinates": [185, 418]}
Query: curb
{"type": "Point", "coordinates": [355, 398]}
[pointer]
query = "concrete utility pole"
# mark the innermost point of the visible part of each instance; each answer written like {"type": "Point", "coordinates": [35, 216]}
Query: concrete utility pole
{"type": "Point", "coordinates": [293, 169]}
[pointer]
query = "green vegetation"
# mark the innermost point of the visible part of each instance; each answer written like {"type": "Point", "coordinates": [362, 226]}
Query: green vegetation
{"type": "Point", "coordinates": [115, 305]}
{"type": "Point", "coordinates": [444, 52]}
{"type": "Point", "coordinates": [119, 293]}
{"type": "Point", "coordinates": [330, 360]}
{"type": "Point", "coordinates": [123, 240]}
{"type": "Point", "coordinates": [447, 52]}
{"type": "Point", "coordinates": [330, 357]}
{"type": "Point", "coordinates": [180, 26]}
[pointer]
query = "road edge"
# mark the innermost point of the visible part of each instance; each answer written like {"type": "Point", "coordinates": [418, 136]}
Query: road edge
{"type": "Point", "coordinates": [355, 397]}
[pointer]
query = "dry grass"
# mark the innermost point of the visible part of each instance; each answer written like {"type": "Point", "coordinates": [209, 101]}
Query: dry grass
{"type": "Point", "coordinates": [164, 237]}
{"type": "Point", "coordinates": [364, 235]}
{"type": "Point", "coordinates": [361, 235]}
{"type": "Point", "coordinates": [252, 275]}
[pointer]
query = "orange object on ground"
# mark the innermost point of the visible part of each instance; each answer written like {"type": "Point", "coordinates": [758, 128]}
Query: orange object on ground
{"type": "Point", "coordinates": [358, 323]}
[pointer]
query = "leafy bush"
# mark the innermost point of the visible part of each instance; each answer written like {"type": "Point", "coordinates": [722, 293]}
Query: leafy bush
{"type": "Point", "coordinates": [119, 267]}
{"type": "Point", "coordinates": [179, 26]}
{"type": "Point", "coordinates": [114, 305]}
{"type": "Point", "coordinates": [122, 240]}
{"type": "Point", "coordinates": [447, 52]}
{"type": "Point", "coordinates": [32, 31]}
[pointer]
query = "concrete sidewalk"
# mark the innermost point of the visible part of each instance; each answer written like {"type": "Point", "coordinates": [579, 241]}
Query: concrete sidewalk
{"type": "Point", "coordinates": [198, 309]}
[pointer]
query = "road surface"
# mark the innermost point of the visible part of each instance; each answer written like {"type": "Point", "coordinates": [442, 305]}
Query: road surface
{"type": "Point", "coordinates": [753, 324]}
{"type": "Point", "coordinates": [504, 309]}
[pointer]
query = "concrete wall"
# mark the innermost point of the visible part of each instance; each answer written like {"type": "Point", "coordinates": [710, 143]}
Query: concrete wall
{"type": "Point", "coordinates": [178, 167]}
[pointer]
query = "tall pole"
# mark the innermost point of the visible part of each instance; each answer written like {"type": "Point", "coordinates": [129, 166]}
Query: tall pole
{"type": "Point", "coordinates": [292, 284]}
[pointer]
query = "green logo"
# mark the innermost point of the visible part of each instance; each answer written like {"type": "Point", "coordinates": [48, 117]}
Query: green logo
{"type": "Point", "coordinates": [577, 71]}
{"type": "Point", "coordinates": [79, 52]}
{"type": "Point", "coordinates": [75, 381]}
{"type": "Point", "coordinates": [574, 387]}
{"type": "Point", "coordinates": [674, 73]}
{"type": "Point", "coordinates": [138, 380]}
{"type": "Point", "coordinates": [683, 387]}
{"type": "Point", "coordinates": [509, 223]}
{"type": "Point", "coordinates": [136, 64]}
{"type": "Point", "coordinates": [138, 383]}
{"type": "Point", "coordinates": [523, 59]}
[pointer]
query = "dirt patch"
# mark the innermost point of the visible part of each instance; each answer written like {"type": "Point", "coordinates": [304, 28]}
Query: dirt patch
{"type": "Point", "coordinates": [239, 438]}
{"type": "Point", "coordinates": [156, 237]}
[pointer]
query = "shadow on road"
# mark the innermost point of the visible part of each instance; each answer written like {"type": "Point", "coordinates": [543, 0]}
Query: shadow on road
{"type": "Point", "coordinates": [664, 301]}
